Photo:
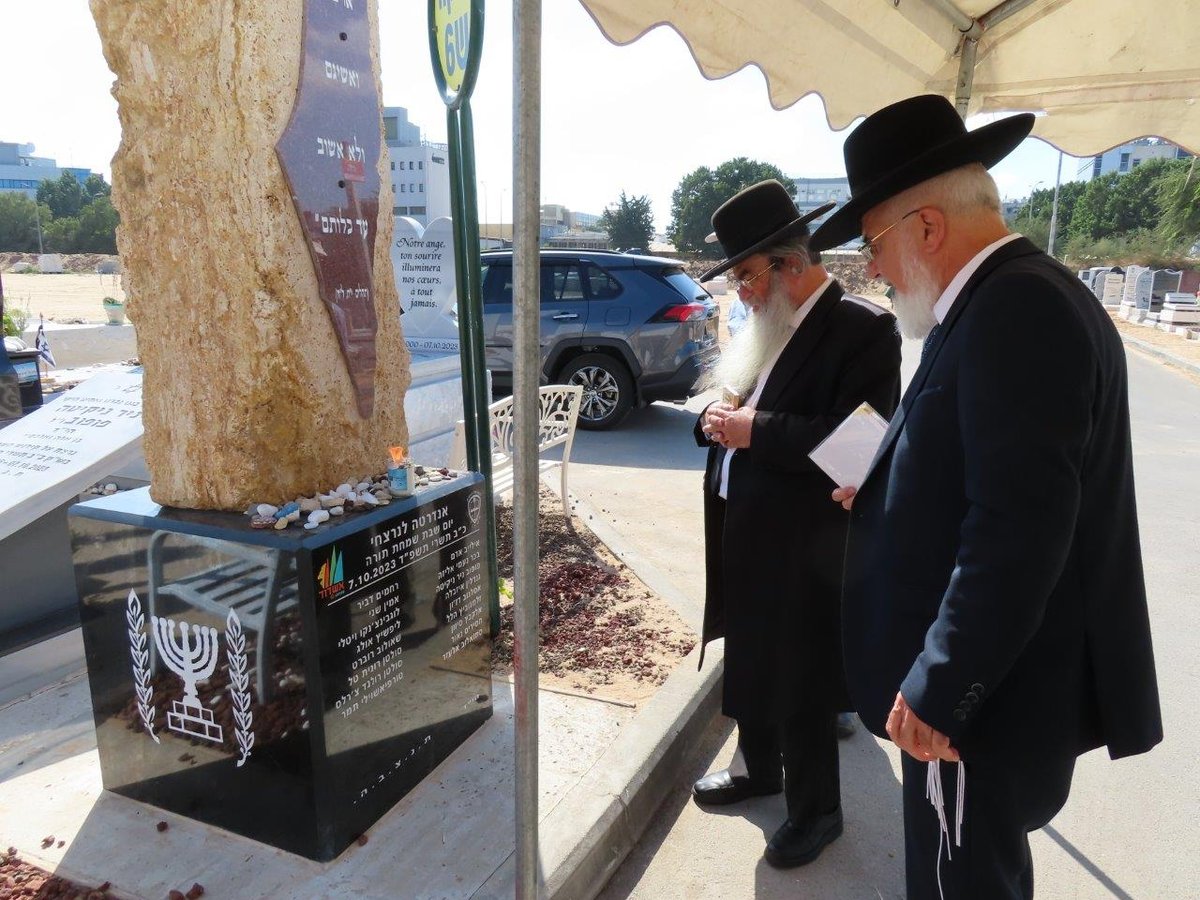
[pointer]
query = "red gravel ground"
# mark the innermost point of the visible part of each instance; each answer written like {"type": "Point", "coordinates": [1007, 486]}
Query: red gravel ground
{"type": "Point", "coordinates": [599, 624]}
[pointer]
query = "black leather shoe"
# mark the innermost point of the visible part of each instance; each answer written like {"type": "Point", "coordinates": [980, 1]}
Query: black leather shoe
{"type": "Point", "coordinates": [846, 726]}
{"type": "Point", "coordinates": [797, 845]}
{"type": "Point", "coordinates": [721, 789]}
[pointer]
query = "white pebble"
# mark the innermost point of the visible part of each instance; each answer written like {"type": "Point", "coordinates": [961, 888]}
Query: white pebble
{"type": "Point", "coordinates": [266, 509]}
{"type": "Point", "coordinates": [336, 511]}
{"type": "Point", "coordinates": [368, 499]}
{"type": "Point", "coordinates": [317, 516]}
{"type": "Point", "coordinates": [343, 489]}
{"type": "Point", "coordinates": [309, 526]}
{"type": "Point", "coordinates": [363, 486]}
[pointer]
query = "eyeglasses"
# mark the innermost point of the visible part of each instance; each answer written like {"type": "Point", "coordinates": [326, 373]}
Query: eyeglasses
{"type": "Point", "coordinates": [738, 283]}
{"type": "Point", "coordinates": [869, 250]}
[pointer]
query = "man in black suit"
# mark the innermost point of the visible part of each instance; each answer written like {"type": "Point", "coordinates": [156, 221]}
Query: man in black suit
{"type": "Point", "coordinates": [808, 356]}
{"type": "Point", "coordinates": [994, 609]}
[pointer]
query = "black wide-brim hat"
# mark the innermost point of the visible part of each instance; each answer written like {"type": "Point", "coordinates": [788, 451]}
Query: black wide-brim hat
{"type": "Point", "coordinates": [755, 219]}
{"type": "Point", "coordinates": [906, 143]}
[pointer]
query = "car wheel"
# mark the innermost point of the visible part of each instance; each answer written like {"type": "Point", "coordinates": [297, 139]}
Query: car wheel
{"type": "Point", "coordinates": [607, 389]}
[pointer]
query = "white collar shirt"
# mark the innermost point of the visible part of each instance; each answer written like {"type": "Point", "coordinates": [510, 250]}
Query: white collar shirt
{"type": "Point", "coordinates": [798, 316]}
{"type": "Point", "coordinates": [942, 308]}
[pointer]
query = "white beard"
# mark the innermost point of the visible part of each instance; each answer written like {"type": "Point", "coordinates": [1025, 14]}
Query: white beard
{"type": "Point", "coordinates": [747, 354]}
{"type": "Point", "coordinates": [914, 307]}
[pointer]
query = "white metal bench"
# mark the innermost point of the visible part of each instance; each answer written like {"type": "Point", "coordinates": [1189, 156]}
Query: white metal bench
{"type": "Point", "coordinates": [558, 411]}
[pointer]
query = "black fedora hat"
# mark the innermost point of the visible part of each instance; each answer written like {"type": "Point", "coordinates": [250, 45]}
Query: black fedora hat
{"type": "Point", "coordinates": [754, 219]}
{"type": "Point", "coordinates": [909, 142]}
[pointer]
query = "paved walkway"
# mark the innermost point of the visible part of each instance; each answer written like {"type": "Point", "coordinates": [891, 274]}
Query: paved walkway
{"type": "Point", "coordinates": [1130, 828]}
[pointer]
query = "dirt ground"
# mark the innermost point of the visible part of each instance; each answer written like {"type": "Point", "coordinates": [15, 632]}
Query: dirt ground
{"type": "Point", "coordinates": [602, 631]}
{"type": "Point", "coordinates": [67, 298]}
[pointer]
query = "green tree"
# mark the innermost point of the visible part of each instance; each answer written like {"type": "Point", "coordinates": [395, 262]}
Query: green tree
{"type": "Point", "coordinates": [1179, 199]}
{"type": "Point", "coordinates": [96, 187]}
{"type": "Point", "coordinates": [1040, 205]}
{"type": "Point", "coordinates": [629, 223]}
{"type": "Point", "coordinates": [61, 235]}
{"type": "Point", "coordinates": [703, 190]}
{"type": "Point", "coordinates": [64, 195]}
{"type": "Point", "coordinates": [1093, 216]}
{"type": "Point", "coordinates": [97, 230]}
{"type": "Point", "coordinates": [18, 223]}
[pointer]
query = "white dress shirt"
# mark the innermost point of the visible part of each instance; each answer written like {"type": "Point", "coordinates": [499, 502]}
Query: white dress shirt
{"type": "Point", "coordinates": [954, 288]}
{"type": "Point", "coordinates": [797, 317]}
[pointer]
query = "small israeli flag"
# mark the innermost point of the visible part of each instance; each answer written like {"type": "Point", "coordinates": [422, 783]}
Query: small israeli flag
{"type": "Point", "coordinates": [43, 345]}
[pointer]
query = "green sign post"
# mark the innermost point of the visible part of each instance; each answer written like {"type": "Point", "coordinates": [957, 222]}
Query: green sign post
{"type": "Point", "coordinates": [455, 46]}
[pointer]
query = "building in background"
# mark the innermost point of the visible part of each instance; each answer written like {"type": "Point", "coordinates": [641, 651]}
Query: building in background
{"type": "Point", "coordinates": [419, 169]}
{"type": "Point", "coordinates": [809, 193]}
{"type": "Point", "coordinates": [22, 172]}
{"type": "Point", "coordinates": [1129, 156]}
{"type": "Point", "coordinates": [562, 227]}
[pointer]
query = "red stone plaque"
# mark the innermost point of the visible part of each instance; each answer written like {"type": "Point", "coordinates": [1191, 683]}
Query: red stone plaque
{"type": "Point", "coordinates": [329, 153]}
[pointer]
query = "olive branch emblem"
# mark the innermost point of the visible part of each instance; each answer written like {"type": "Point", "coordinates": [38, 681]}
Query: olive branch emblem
{"type": "Point", "coordinates": [140, 655]}
{"type": "Point", "coordinates": [239, 686]}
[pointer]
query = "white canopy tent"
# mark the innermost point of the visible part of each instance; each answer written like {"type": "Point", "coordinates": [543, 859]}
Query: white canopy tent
{"type": "Point", "coordinates": [1101, 71]}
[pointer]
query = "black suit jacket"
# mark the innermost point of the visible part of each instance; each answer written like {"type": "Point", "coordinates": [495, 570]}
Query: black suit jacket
{"type": "Point", "coordinates": [993, 570]}
{"type": "Point", "coordinates": [774, 550]}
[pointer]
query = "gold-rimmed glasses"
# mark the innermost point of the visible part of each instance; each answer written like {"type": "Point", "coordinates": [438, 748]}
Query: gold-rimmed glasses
{"type": "Point", "coordinates": [869, 249]}
{"type": "Point", "coordinates": [738, 283]}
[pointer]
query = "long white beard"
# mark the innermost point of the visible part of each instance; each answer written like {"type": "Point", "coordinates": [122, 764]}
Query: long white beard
{"type": "Point", "coordinates": [747, 354]}
{"type": "Point", "coordinates": [914, 307]}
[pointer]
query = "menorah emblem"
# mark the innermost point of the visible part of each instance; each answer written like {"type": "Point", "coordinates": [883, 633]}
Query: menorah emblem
{"type": "Point", "coordinates": [193, 659]}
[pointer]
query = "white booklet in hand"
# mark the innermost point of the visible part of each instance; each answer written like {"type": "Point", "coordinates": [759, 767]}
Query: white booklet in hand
{"type": "Point", "coordinates": [845, 455]}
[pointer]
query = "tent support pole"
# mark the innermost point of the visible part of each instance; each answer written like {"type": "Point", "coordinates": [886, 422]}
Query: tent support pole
{"type": "Point", "coordinates": [527, 94]}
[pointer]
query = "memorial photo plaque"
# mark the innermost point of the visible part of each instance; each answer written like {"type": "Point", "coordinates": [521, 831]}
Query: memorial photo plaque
{"type": "Point", "coordinates": [329, 153]}
{"type": "Point", "coordinates": [287, 687]}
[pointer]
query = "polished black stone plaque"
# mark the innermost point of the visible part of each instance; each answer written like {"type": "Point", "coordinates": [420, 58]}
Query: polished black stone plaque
{"type": "Point", "coordinates": [290, 686]}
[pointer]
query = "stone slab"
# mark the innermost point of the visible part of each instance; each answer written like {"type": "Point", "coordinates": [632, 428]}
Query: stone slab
{"type": "Point", "coordinates": [53, 453]}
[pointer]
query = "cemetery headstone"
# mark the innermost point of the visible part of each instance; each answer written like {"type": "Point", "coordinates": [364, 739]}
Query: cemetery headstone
{"type": "Point", "coordinates": [1114, 287]}
{"type": "Point", "coordinates": [62, 448]}
{"type": "Point", "coordinates": [423, 260]}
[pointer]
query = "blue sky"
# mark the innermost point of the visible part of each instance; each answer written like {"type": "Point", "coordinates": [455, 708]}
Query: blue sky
{"type": "Point", "coordinates": [634, 119]}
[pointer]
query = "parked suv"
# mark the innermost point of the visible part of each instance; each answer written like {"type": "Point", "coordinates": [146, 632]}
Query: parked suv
{"type": "Point", "coordinates": [629, 329]}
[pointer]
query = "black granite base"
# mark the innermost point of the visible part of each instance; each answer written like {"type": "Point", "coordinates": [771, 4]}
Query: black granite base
{"type": "Point", "coordinates": [289, 686]}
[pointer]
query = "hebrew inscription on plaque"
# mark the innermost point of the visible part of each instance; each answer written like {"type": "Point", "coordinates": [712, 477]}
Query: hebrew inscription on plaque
{"type": "Point", "coordinates": [329, 154]}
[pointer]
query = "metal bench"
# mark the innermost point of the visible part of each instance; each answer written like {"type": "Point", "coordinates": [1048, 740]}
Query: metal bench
{"type": "Point", "coordinates": [558, 411]}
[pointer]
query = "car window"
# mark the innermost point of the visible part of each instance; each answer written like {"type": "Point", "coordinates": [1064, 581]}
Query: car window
{"type": "Point", "coordinates": [560, 282]}
{"type": "Point", "coordinates": [497, 284]}
{"type": "Point", "coordinates": [682, 283]}
{"type": "Point", "coordinates": [602, 285]}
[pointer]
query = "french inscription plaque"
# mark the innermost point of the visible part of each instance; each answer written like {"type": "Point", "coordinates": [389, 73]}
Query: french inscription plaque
{"type": "Point", "coordinates": [290, 688]}
{"type": "Point", "coordinates": [329, 154]}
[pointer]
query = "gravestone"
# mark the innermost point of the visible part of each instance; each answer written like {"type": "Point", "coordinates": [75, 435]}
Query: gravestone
{"type": "Point", "coordinates": [46, 460]}
{"type": "Point", "coordinates": [289, 687]}
{"type": "Point", "coordinates": [1165, 281]}
{"type": "Point", "coordinates": [1113, 289]}
{"type": "Point", "coordinates": [423, 260]}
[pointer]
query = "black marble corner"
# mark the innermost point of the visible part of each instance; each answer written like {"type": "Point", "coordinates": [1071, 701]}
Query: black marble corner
{"type": "Point", "coordinates": [290, 687]}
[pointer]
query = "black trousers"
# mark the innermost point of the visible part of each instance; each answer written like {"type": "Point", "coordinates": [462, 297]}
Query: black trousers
{"type": "Point", "coordinates": [1005, 798]}
{"type": "Point", "coordinates": [803, 751]}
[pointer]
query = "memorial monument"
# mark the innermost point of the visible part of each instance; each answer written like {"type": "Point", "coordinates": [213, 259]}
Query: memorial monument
{"type": "Point", "coordinates": [289, 684]}
{"type": "Point", "coordinates": [249, 180]}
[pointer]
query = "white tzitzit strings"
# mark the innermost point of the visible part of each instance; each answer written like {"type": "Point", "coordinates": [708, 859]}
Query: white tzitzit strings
{"type": "Point", "coordinates": [933, 792]}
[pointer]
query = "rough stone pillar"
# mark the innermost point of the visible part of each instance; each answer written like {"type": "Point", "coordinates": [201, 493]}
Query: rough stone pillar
{"type": "Point", "coordinates": [246, 393]}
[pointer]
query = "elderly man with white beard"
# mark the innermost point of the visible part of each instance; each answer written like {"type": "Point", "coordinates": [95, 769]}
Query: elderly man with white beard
{"type": "Point", "coordinates": [808, 357]}
{"type": "Point", "coordinates": [995, 616]}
